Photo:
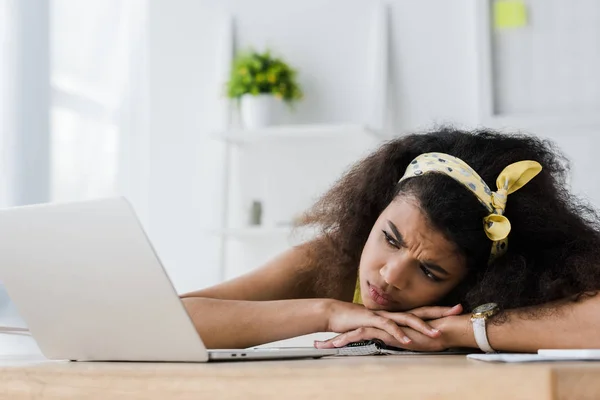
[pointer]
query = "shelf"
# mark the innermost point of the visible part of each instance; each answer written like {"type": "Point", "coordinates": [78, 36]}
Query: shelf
{"type": "Point", "coordinates": [322, 131]}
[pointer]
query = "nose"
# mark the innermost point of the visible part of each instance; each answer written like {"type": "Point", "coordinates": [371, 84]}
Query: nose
{"type": "Point", "coordinates": [396, 272]}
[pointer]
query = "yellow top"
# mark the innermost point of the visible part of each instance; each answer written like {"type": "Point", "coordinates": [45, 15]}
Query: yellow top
{"type": "Point", "coordinates": [357, 296]}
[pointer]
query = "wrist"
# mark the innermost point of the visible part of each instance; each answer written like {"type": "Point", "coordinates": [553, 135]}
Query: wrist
{"type": "Point", "coordinates": [323, 311]}
{"type": "Point", "coordinates": [459, 331]}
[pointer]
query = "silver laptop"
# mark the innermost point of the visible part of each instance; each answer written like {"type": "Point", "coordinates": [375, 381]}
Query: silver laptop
{"type": "Point", "coordinates": [90, 287]}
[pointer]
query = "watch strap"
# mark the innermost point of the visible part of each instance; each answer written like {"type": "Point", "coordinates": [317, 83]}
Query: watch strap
{"type": "Point", "coordinates": [481, 335]}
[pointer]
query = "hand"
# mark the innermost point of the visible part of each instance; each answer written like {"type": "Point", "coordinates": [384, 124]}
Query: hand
{"type": "Point", "coordinates": [359, 323]}
{"type": "Point", "coordinates": [456, 332]}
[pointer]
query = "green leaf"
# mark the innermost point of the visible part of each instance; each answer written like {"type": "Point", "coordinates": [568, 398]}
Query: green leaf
{"type": "Point", "coordinates": [254, 72]}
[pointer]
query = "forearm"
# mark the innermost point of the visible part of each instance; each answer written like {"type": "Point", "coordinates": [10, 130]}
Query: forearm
{"type": "Point", "coordinates": [240, 324]}
{"type": "Point", "coordinates": [566, 324]}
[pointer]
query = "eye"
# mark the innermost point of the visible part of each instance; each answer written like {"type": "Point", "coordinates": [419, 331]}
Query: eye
{"type": "Point", "coordinates": [390, 240]}
{"type": "Point", "coordinates": [428, 274]}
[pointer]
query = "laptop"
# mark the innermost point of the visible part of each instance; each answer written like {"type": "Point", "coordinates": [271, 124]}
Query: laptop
{"type": "Point", "coordinates": [89, 285]}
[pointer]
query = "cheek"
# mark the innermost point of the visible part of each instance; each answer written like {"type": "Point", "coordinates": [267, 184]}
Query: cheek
{"type": "Point", "coordinates": [371, 257]}
{"type": "Point", "coordinates": [426, 294]}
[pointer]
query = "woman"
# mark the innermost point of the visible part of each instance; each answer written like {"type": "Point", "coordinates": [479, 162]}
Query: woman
{"type": "Point", "coordinates": [413, 239]}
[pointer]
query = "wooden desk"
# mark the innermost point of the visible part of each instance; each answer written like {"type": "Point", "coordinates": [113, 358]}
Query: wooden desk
{"type": "Point", "coordinates": [419, 377]}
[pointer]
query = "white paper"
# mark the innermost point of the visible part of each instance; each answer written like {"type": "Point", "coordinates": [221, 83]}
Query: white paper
{"type": "Point", "coordinates": [521, 357]}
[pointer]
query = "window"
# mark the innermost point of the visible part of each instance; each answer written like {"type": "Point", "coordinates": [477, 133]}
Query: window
{"type": "Point", "coordinates": [93, 46]}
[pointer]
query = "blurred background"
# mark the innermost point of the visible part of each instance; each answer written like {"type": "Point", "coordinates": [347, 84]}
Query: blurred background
{"type": "Point", "coordinates": [131, 98]}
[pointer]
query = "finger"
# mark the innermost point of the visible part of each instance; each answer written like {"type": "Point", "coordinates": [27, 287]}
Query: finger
{"type": "Point", "coordinates": [391, 327]}
{"type": "Point", "coordinates": [327, 344]}
{"type": "Point", "coordinates": [341, 338]}
{"type": "Point", "coordinates": [456, 310]}
{"type": "Point", "coordinates": [436, 312]}
{"type": "Point", "coordinates": [427, 313]}
{"type": "Point", "coordinates": [422, 342]}
{"type": "Point", "coordinates": [412, 321]}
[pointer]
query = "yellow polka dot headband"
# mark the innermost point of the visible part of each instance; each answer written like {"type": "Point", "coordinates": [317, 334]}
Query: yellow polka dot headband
{"type": "Point", "coordinates": [512, 178]}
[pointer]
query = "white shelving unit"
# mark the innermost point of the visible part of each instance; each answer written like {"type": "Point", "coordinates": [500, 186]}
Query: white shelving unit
{"type": "Point", "coordinates": [304, 133]}
{"type": "Point", "coordinates": [286, 134]}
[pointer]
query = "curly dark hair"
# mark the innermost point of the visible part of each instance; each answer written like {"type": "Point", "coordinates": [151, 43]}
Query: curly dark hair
{"type": "Point", "coordinates": [554, 244]}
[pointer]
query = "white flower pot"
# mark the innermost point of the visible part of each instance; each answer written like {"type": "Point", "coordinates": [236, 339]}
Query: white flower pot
{"type": "Point", "coordinates": [262, 110]}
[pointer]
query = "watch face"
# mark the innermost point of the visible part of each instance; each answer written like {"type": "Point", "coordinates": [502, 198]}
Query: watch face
{"type": "Point", "coordinates": [485, 307]}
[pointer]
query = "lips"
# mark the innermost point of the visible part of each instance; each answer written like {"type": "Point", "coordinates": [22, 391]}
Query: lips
{"type": "Point", "coordinates": [378, 296]}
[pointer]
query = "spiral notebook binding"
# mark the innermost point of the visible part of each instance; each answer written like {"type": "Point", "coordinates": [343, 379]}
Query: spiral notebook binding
{"type": "Point", "coordinates": [376, 347]}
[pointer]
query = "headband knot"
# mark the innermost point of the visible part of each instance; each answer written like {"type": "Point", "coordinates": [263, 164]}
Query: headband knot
{"type": "Point", "coordinates": [499, 200]}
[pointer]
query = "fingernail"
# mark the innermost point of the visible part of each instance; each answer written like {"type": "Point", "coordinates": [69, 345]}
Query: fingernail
{"type": "Point", "coordinates": [406, 339]}
{"type": "Point", "coordinates": [453, 309]}
{"type": "Point", "coordinates": [435, 331]}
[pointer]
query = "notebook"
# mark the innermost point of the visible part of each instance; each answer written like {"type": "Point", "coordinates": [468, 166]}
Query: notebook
{"type": "Point", "coordinates": [376, 347]}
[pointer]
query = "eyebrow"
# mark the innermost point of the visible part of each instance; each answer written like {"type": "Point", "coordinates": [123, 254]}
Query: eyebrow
{"type": "Point", "coordinates": [428, 264]}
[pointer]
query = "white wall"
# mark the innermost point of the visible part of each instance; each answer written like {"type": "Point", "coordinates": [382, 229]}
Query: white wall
{"type": "Point", "coordinates": [433, 63]}
{"type": "Point", "coordinates": [434, 79]}
{"type": "Point", "coordinates": [184, 163]}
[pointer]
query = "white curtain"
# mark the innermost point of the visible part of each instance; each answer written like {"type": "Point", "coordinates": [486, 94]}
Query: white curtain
{"type": "Point", "coordinates": [97, 96]}
{"type": "Point", "coordinates": [6, 43]}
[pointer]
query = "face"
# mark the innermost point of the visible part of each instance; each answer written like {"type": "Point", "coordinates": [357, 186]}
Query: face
{"type": "Point", "coordinates": [406, 263]}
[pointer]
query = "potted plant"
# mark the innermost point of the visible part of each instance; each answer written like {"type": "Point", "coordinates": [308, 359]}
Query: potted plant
{"type": "Point", "coordinates": [262, 84]}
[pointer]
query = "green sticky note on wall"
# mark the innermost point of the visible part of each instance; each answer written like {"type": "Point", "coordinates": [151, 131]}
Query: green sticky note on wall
{"type": "Point", "coordinates": [509, 14]}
